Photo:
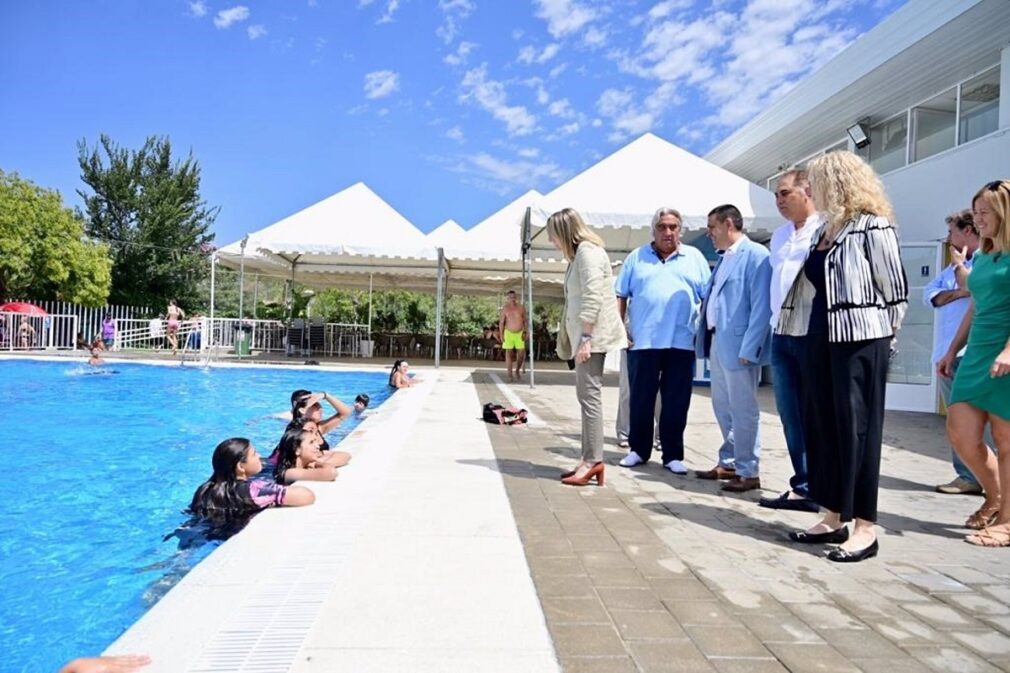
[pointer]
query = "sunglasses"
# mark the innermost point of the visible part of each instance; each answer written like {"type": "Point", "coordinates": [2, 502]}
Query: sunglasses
{"type": "Point", "coordinates": [996, 184]}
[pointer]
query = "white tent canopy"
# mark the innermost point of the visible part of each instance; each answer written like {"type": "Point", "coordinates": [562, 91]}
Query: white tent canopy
{"type": "Point", "coordinates": [446, 235]}
{"type": "Point", "coordinates": [618, 196]}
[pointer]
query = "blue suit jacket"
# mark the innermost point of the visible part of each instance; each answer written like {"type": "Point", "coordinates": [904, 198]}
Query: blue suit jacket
{"type": "Point", "coordinates": [742, 309]}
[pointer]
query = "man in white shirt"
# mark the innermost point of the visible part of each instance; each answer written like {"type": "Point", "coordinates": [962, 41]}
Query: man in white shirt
{"type": "Point", "coordinates": [948, 295]}
{"type": "Point", "coordinates": [790, 245]}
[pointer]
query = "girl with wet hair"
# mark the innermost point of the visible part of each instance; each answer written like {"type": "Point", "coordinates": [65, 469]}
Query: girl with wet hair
{"type": "Point", "coordinates": [299, 457]}
{"type": "Point", "coordinates": [398, 377]}
{"type": "Point", "coordinates": [231, 492]}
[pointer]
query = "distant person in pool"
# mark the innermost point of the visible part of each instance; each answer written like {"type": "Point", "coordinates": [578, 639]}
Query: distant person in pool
{"type": "Point", "coordinates": [95, 360]}
{"type": "Point", "coordinates": [299, 457]}
{"type": "Point", "coordinates": [123, 663]}
{"type": "Point", "coordinates": [231, 492]}
{"type": "Point", "coordinates": [361, 403]}
{"type": "Point", "coordinates": [398, 376]}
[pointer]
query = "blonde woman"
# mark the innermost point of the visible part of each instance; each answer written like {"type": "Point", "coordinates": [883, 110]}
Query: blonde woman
{"type": "Point", "coordinates": [981, 389]}
{"type": "Point", "coordinates": [848, 303]}
{"type": "Point", "coordinates": [592, 328]}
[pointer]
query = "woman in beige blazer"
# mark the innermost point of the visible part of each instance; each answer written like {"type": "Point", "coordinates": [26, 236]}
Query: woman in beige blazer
{"type": "Point", "coordinates": [592, 328]}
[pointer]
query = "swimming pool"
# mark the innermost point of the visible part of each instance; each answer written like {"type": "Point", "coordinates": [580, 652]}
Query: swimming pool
{"type": "Point", "coordinates": [99, 469]}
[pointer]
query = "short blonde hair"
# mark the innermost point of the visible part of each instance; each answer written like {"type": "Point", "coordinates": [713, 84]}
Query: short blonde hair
{"type": "Point", "coordinates": [996, 195]}
{"type": "Point", "coordinates": [568, 227]}
{"type": "Point", "coordinates": [845, 187]}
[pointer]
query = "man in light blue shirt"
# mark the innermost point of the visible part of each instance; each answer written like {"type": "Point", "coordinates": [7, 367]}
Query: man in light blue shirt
{"type": "Point", "coordinates": [950, 299]}
{"type": "Point", "coordinates": [659, 292]}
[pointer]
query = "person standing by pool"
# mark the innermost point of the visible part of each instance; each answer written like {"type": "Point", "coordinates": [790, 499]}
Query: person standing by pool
{"type": "Point", "coordinates": [981, 388]}
{"type": "Point", "coordinates": [108, 332]}
{"type": "Point", "coordinates": [591, 327]}
{"type": "Point", "coordinates": [232, 492]}
{"type": "Point", "coordinates": [26, 333]}
{"type": "Point", "coordinates": [512, 327]}
{"type": "Point", "coordinates": [174, 315]}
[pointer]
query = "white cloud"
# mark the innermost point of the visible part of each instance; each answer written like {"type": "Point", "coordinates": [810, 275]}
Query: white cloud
{"type": "Point", "coordinates": [629, 117]}
{"type": "Point", "coordinates": [491, 96]}
{"type": "Point", "coordinates": [391, 7]}
{"type": "Point", "coordinates": [381, 83]}
{"type": "Point", "coordinates": [226, 17]}
{"type": "Point", "coordinates": [198, 8]}
{"type": "Point", "coordinates": [564, 16]}
{"type": "Point", "coordinates": [557, 70]}
{"type": "Point", "coordinates": [455, 133]}
{"type": "Point", "coordinates": [529, 54]}
{"type": "Point", "coordinates": [503, 176]}
{"type": "Point", "coordinates": [528, 152]}
{"type": "Point", "coordinates": [453, 11]}
{"type": "Point", "coordinates": [562, 108]}
{"type": "Point", "coordinates": [594, 37]}
{"type": "Point", "coordinates": [774, 44]}
{"type": "Point", "coordinates": [256, 32]}
{"type": "Point", "coordinates": [461, 54]}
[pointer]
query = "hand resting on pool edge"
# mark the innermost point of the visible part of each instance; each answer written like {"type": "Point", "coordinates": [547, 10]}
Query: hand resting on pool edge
{"type": "Point", "coordinates": [299, 457]}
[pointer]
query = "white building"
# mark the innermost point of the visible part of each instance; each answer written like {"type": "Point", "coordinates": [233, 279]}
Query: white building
{"type": "Point", "coordinates": [925, 87]}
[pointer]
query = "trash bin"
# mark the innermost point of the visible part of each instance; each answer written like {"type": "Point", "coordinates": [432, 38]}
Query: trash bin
{"type": "Point", "coordinates": [365, 348]}
{"type": "Point", "coordinates": [242, 340]}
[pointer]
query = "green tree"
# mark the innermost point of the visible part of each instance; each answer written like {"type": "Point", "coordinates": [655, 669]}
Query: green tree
{"type": "Point", "coordinates": [149, 209]}
{"type": "Point", "coordinates": [43, 252]}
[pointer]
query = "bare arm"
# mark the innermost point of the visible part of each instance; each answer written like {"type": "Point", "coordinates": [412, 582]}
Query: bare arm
{"type": "Point", "coordinates": [343, 411]}
{"type": "Point", "coordinates": [320, 473]}
{"type": "Point", "coordinates": [298, 496]}
{"type": "Point", "coordinates": [947, 296]}
{"type": "Point", "coordinates": [945, 367]}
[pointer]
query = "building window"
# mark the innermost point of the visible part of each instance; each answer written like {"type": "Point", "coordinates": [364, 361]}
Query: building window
{"type": "Point", "coordinates": [933, 125]}
{"type": "Point", "coordinates": [889, 144]}
{"type": "Point", "coordinates": [979, 106]}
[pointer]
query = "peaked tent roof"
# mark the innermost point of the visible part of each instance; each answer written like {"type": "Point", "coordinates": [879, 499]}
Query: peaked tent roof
{"type": "Point", "coordinates": [618, 195]}
{"type": "Point", "coordinates": [446, 235]}
{"type": "Point", "coordinates": [351, 218]}
{"type": "Point", "coordinates": [499, 234]}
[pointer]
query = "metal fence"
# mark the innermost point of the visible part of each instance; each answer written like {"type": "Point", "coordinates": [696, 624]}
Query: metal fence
{"type": "Point", "coordinates": [20, 332]}
{"type": "Point", "coordinates": [89, 320]}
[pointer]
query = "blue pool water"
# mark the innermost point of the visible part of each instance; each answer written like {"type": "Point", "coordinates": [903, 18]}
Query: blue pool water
{"type": "Point", "coordinates": [99, 470]}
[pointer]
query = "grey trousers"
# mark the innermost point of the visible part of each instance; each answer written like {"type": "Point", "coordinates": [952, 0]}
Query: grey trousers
{"type": "Point", "coordinates": [589, 391]}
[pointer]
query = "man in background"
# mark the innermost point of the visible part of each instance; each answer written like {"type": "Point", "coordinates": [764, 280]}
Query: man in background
{"type": "Point", "coordinates": [512, 327]}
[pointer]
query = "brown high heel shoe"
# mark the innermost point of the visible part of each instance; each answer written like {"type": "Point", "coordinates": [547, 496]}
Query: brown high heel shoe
{"type": "Point", "coordinates": [569, 473]}
{"type": "Point", "coordinates": [596, 471]}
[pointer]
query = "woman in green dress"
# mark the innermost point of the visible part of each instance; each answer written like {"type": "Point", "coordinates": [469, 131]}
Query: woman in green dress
{"type": "Point", "coordinates": [981, 391]}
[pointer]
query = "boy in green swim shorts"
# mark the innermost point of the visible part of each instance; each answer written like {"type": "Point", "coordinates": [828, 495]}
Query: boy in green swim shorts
{"type": "Point", "coordinates": [512, 326]}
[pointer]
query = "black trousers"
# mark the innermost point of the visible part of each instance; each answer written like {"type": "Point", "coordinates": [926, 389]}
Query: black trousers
{"type": "Point", "coordinates": [670, 373]}
{"type": "Point", "coordinates": [843, 388]}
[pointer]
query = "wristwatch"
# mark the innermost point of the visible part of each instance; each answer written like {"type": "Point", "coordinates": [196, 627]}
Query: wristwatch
{"type": "Point", "coordinates": [585, 338]}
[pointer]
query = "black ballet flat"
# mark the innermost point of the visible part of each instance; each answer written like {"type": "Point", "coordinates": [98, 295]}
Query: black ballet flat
{"type": "Point", "coordinates": [831, 537]}
{"type": "Point", "coordinates": [840, 555]}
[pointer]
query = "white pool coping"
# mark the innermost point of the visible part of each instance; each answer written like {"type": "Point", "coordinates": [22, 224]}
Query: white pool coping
{"type": "Point", "coordinates": [410, 561]}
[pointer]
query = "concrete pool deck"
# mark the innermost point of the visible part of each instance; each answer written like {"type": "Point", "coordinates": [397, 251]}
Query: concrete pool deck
{"type": "Point", "coordinates": [449, 545]}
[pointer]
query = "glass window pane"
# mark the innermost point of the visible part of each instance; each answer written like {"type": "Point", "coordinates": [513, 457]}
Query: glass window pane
{"type": "Point", "coordinates": [979, 106]}
{"type": "Point", "coordinates": [888, 144]}
{"type": "Point", "coordinates": [914, 362]}
{"type": "Point", "coordinates": [934, 123]}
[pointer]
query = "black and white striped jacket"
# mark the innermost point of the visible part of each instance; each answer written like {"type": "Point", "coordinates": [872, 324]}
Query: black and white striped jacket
{"type": "Point", "coordinates": [866, 285]}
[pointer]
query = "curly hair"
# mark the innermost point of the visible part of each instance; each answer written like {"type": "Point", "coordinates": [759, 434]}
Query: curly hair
{"type": "Point", "coordinates": [996, 194]}
{"type": "Point", "coordinates": [845, 187]}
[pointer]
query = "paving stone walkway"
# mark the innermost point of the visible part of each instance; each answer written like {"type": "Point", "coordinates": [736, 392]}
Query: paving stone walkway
{"type": "Point", "coordinates": [657, 572]}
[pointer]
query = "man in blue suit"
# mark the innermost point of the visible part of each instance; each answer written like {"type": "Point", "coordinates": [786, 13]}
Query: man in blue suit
{"type": "Point", "coordinates": [735, 334]}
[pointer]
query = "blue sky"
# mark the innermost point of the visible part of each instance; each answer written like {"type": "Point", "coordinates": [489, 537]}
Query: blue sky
{"type": "Point", "coordinates": [446, 108]}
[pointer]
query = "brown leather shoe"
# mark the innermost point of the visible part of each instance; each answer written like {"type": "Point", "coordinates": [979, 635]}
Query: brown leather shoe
{"type": "Point", "coordinates": [717, 472]}
{"type": "Point", "coordinates": [741, 484]}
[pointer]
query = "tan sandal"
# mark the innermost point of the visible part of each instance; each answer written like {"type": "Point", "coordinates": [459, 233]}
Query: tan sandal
{"type": "Point", "coordinates": [990, 537]}
{"type": "Point", "coordinates": [982, 518]}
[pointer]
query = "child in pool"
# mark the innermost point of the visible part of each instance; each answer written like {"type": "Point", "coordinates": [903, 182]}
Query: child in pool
{"type": "Point", "coordinates": [329, 456]}
{"type": "Point", "coordinates": [299, 457]}
{"type": "Point", "coordinates": [232, 492]}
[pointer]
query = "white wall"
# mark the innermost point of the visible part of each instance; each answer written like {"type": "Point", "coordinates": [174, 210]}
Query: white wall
{"type": "Point", "coordinates": [927, 191]}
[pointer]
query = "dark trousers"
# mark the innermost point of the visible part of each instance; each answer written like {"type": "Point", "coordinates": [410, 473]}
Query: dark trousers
{"type": "Point", "coordinates": [670, 373]}
{"type": "Point", "coordinates": [787, 368]}
{"type": "Point", "coordinates": [843, 423]}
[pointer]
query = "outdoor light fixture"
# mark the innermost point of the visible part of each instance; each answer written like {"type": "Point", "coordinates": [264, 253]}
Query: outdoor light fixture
{"type": "Point", "coordinates": [859, 135]}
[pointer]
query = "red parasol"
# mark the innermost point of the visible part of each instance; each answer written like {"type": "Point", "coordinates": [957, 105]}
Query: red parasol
{"type": "Point", "coordinates": [22, 307]}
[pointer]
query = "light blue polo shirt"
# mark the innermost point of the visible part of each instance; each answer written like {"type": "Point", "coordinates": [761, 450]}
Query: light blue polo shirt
{"type": "Point", "coordinates": [664, 297]}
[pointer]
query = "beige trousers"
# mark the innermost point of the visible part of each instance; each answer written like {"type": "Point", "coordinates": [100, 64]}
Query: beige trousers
{"type": "Point", "coordinates": [589, 391]}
